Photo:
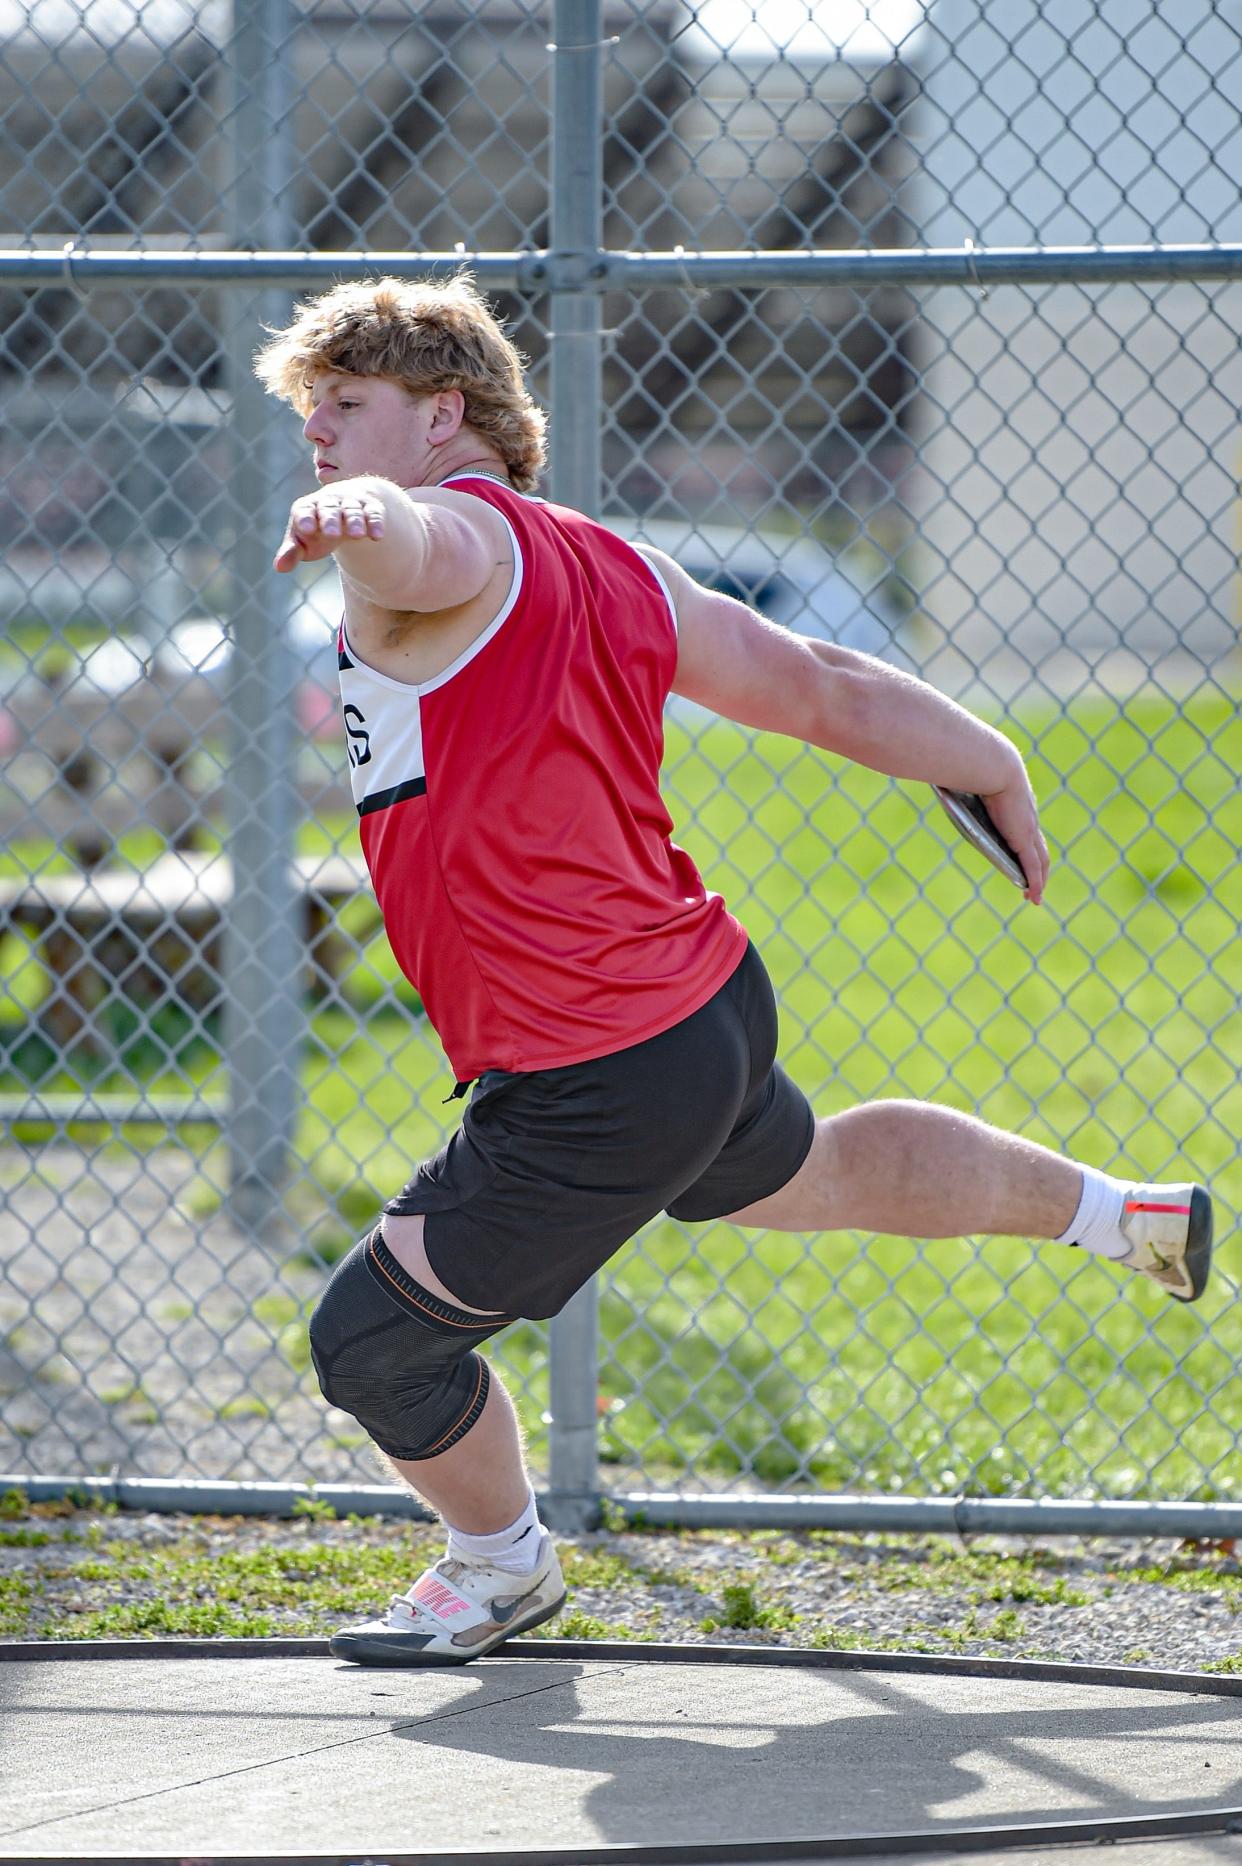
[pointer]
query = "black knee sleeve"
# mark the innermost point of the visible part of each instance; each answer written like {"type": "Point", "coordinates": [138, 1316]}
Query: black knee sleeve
{"type": "Point", "coordinates": [396, 1357]}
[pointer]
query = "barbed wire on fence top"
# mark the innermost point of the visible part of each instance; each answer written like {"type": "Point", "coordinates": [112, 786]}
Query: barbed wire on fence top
{"type": "Point", "coordinates": [852, 375]}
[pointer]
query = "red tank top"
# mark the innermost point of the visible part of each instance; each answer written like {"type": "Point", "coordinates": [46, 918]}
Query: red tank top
{"type": "Point", "coordinates": [511, 817]}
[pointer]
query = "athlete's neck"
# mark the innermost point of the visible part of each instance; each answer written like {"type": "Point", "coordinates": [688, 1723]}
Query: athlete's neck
{"type": "Point", "coordinates": [489, 467]}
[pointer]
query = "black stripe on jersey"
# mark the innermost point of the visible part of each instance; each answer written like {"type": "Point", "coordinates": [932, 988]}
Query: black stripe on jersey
{"type": "Point", "coordinates": [384, 799]}
{"type": "Point", "coordinates": [342, 659]}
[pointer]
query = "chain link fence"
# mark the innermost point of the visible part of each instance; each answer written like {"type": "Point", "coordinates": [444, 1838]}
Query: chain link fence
{"type": "Point", "coordinates": [795, 284]}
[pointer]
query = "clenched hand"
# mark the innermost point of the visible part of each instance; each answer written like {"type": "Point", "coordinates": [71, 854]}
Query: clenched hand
{"type": "Point", "coordinates": [322, 520]}
{"type": "Point", "coordinates": [1014, 811]}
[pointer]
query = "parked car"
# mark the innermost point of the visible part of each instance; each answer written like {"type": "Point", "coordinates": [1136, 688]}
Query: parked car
{"type": "Point", "coordinates": [789, 580]}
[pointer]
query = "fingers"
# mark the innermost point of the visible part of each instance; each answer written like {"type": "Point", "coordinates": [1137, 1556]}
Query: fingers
{"type": "Point", "coordinates": [1035, 864]}
{"type": "Point", "coordinates": [323, 520]}
{"type": "Point", "coordinates": [1016, 814]}
{"type": "Point", "coordinates": [334, 514]}
{"type": "Point", "coordinates": [1029, 840]}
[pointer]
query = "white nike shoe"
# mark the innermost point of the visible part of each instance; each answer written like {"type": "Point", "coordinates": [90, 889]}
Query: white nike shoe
{"type": "Point", "coordinates": [455, 1612]}
{"type": "Point", "coordinates": [1170, 1233]}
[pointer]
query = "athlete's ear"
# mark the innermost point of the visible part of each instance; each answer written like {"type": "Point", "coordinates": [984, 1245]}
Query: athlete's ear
{"type": "Point", "coordinates": [447, 413]}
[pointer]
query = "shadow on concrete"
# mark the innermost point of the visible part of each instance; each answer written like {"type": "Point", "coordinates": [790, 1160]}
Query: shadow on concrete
{"type": "Point", "coordinates": [737, 1753]}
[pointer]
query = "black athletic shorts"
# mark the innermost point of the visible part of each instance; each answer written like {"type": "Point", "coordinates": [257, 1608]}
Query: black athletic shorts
{"type": "Point", "coordinates": [551, 1171]}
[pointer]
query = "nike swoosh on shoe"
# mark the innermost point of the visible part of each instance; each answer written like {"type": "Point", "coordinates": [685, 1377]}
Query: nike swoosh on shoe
{"type": "Point", "coordinates": [502, 1611]}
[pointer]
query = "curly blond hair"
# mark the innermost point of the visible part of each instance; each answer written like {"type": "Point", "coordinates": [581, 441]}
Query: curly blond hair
{"type": "Point", "coordinates": [426, 334]}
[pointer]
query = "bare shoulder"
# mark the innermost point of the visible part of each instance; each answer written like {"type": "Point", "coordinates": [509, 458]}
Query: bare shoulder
{"type": "Point", "coordinates": [426, 523]}
{"type": "Point", "coordinates": [678, 582]}
{"type": "Point", "coordinates": [466, 544]}
{"type": "Point", "coordinates": [449, 570]}
{"type": "Point", "coordinates": [462, 507]}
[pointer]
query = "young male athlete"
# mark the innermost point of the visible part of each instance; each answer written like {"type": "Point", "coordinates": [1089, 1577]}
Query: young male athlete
{"type": "Point", "coordinates": [504, 664]}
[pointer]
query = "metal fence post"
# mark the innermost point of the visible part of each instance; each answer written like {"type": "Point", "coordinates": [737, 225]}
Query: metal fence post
{"type": "Point", "coordinates": [574, 329]}
{"type": "Point", "coordinates": [263, 968]}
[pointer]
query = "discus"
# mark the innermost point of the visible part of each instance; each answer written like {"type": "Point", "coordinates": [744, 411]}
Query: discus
{"type": "Point", "coordinates": [969, 816]}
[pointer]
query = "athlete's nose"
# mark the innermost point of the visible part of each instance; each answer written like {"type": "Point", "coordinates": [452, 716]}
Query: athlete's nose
{"type": "Point", "coordinates": [315, 427]}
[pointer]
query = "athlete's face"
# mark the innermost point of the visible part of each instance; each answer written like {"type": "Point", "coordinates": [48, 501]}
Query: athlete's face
{"type": "Point", "coordinates": [370, 424]}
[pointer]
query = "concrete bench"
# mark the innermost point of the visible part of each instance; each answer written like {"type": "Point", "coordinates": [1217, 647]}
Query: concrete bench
{"type": "Point", "coordinates": [80, 767]}
{"type": "Point", "coordinates": [158, 932]}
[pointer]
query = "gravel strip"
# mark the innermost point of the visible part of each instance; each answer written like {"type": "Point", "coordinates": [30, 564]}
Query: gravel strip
{"type": "Point", "coordinates": [1156, 1604]}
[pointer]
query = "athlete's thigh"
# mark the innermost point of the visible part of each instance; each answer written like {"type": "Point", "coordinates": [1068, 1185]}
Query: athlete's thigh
{"type": "Point", "coordinates": [798, 1204]}
{"type": "Point", "coordinates": [404, 1238]}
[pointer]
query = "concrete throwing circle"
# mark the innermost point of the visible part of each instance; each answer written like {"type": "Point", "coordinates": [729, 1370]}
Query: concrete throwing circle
{"type": "Point", "coordinates": [560, 1751]}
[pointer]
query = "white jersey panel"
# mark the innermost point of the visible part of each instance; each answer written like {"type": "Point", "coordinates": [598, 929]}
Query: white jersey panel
{"type": "Point", "coordinates": [384, 733]}
{"type": "Point", "coordinates": [383, 717]}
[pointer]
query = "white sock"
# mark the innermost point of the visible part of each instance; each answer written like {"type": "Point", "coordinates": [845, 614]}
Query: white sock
{"type": "Point", "coordinates": [515, 1549]}
{"type": "Point", "coordinates": [1096, 1225]}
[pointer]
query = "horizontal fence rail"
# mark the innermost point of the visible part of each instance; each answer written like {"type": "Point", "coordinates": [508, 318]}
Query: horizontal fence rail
{"type": "Point", "coordinates": [953, 1516]}
{"type": "Point", "coordinates": [599, 270]}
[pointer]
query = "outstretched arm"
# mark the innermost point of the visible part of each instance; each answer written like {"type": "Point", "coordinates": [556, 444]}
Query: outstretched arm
{"type": "Point", "coordinates": [740, 665]}
{"type": "Point", "coordinates": [419, 551]}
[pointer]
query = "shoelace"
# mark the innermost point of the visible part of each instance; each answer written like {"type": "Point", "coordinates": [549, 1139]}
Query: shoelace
{"type": "Point", "coordinates": [405, 1607]}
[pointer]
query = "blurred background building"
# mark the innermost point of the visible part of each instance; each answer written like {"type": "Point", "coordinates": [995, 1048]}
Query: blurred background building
{"type": "Point", "coordinates": [1022, 466]}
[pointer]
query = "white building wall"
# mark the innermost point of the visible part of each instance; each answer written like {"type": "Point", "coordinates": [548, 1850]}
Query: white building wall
{"type": "Point", "coordinates": [1079, 508]}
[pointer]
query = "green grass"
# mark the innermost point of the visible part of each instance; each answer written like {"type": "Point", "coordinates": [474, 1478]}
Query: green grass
{"type": "Point", "coordinates": [1106, 1024]}
{"type": "Point", "coordinates": [184, 1588]}
{"type": "Point", "coordinates": [572, 1623]}
{"type": "Point", "coordinates": [983, 1574]}
{"type": "Point", "coordinates": [1192, 1578]}
{"type": "Point", "coordinates": [743, 1611]}
{"type": "Point", "coordinates": [24, 1538]}
{"type": "Point", "coordinates": [66, 1573]}
{"type": "Point", "coordinates": [158, 1619]}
